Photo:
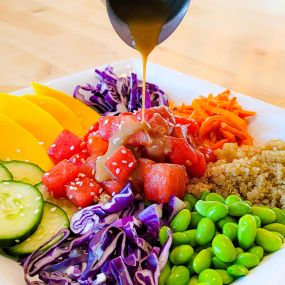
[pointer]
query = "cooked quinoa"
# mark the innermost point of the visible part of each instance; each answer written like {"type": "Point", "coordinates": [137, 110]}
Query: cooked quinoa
{"type": "Point", "coordinates": [256, 173]}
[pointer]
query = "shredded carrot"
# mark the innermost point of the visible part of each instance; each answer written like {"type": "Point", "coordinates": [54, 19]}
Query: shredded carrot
{"type": "Point", "coordinates": [220, 118]}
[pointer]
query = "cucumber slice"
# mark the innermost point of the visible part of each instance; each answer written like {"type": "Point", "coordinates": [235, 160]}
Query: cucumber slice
{"type": "Point", "coordinates": [63, 203]}
{"type": "Point", "coordinates": [21, 209]}
{"type": "Point", "coordinates": [26, 172]}
{"type": "Point", "coordinates": [54, 219]}
{"type": "Point", "coordinates": [5, 174]}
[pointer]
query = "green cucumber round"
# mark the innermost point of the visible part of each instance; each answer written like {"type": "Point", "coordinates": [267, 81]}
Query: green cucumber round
{"type": "Point", "coordinates": [21, 209]}
{"type": "Point", "coordinates": [53, 220]}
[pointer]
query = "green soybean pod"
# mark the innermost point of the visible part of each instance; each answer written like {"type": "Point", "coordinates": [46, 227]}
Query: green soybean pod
{"type": "Point", "coordinates": [195, 219]}
{"type": "Point", "coordinates": [279, 235]}
{"type": "Point", "coordinates": [204, 194]}
{"type": "Point", "coordinates": [226, 277]}
{"type": "Point", "coordinates": [276, 227]}
{"type": "Point", "coordinates": [246, 231]}
{"type": "Point", "coordinates": [202, 207]}
{"type": "Point", "coordinates": [210, 277]}
{"type": "Point", "coordinates": [181, 221]}
{"type": "Point", "coordinates": [223, 248]}
{"type": "Point", "coordinates": [164, 274]}
{"type": "Point", "coordinates": [215, 197]}
{"type": "Point", "coordinates": [239, 250]}
{"type": "Point", "coordinates": [193, 280]}
{"type": "Point", "coordinates": [238, 209]}
{"type": "Point", "coordinates": [187, 237]}
{"type": "Point", "coordinates": [225, 220]}
{"type": "Point", "coordinates": [181, 254]}
{"type": "Point", "coordinates": [179, 275]}
{"type": "Point", "coordinates": [258, 251]}
{"type": "Point", "coordinates": [205, 231]}
{"type": "Point", "coordinates": [232, 198]}
{"type": "Point", "coordinates": [163, 234]}
{"type": "Point", "coordinates": [202, 261]}
{"type": "Point", "coordinates": [218, 264]}
{"type": "Point", "coordinates": [280, 216]}
{"type": "Point", "coordinates": [230, 230]}
{"type": "Point", "coordinates": [191, 236]}
{"type": "Point", "coordinates": [268, 240]}
{"type": "Point", "coordinates": [247, 259]}
{"type": "Point", "coordinates": [257, 221]}
{"type": "Point", "coordinates": [217, 212]}
{"type": "Point", "coordinates": [237, 270]}
{"type": "Point", "coordinates": [266, 215]}
{"type": "Point", "coordinates": [191, 199]}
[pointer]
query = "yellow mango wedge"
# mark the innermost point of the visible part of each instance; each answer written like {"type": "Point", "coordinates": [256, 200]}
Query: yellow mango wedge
{"type": "Point", "coordinates": [19, 144]}
{"type": "Point", "coordinates": [65, 116]}
{"type": "Point", "coordinates": [34, 119]}
{"type": "Point", "coordinates": [86, 115]}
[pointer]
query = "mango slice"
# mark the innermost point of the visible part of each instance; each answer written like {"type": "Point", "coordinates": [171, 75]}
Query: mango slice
{"type": "Point", "coordinates": [19, 144]}
{"type": "Point", "coordinates": [86, 115]}
{"type": "Point", "coordinates": [65, 116]}
{"type": "Point", "coordinates": [34, 119]}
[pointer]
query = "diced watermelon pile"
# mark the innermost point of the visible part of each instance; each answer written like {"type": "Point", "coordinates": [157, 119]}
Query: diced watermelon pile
{"type": "Point", "coordinates": [158, 159]}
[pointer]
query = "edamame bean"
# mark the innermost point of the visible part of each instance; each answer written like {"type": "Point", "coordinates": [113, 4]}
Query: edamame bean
{"type": "Point", "coordinates": [258, 251]}
{"type": "Point", "coordinates": [164, 274]}
{"type": "Point", "coordinates": [247, 259]}
{"type": "Point", "coordinates": [280, 216]}
{"type": "Point", "coordinates": [202, 207]}
{"type": "Point", "coordinates": [225, 220]}
{"type": "Point", "coordinates": [266, 215]}
{"type": "Point", "coordinates": [191, 199]}
{"type": "Point", "coordinates": [279, 235]}
{"type": "Point", "coordinates": [179, 275]}
{"type": "Point", "coordinates": [193, 280]}
{"type": "Point", "coordinates": [257, 221]}
{"type": "Point", "coordinates": [181, 221]}
{"type": "Point", "coordinates": [217, 212]}
{"type": "Point", "coordinates": [239, 250]}
{"type": "Point", "coordinates": [204, 194]}
{"type": "Point", "coordinates": [232, 198]}
{"type": "Point", "coordinates": [195, 219]}
{"type": "Point", "coordinates": [223, 248]}
{"type": "Point", "coordinates": [205, 231]}
{"type": "Point", "coordinates": [237, 270]}
{"type": "Point", "coordinates": [238, 209]}
{"type": "Point", "coordinates": [230, 230]}
{"type": "Point", "coordinates": [268, 240]}
{"type": "Point", "coordinates": [276, 227]}
{"type": "Point", "coordinates": [226, 277]}
{"type": "Point", "coordinates": [218, 264]}
{"type": "Point", "coordinates": [163, 234]}
{"type": "Point", "coordinates": [181, 254]}
{"type": "Point", "coordinates": [215, 197]}
{"type": "Point", "coordinates": [187, 237]}
{"type": "Point", "coordinates": [202, 261]}
{"type": "Point", "coordinates": [246, 231]}
{"type": "Point", "coordinates": [210, 277]}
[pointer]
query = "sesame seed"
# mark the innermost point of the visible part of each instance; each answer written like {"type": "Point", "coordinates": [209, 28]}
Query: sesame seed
{"type": "Point", "coordinates": [99, 157]}
{"type": "Point", "coordinates": [73, 160]}
{"type": "Point", "coordinates": [92, 193]}
{"type": "Point", "coordinates": [38, 198]}
{"type": "Point", "coordinates": [77, 155]}
{"type": "Point", "coordinates": [72, 147]}
{"type": "Point", "coordinates": [16, 240]}
{"type": "Point", "coordinates": [114, 163]}
{"type": "Point", "coordinates": [70, 196]}
{"type": "Point", "coordinates": [53, 209]}
{"type": "Point", "coordinates": [79, 208]}
{"type": "Point", "coordinates": [53, 145]}
{"type": "Point", "coordinates": [124, 161]}
{"type": "Point", "coordinates": [18, 150]}
{"type": "Point", "coordinates": [36, 211]}
{"type": "Point", "coordinates": [75, 188]}
{"type": "Point", "coordinates": [72, 183]}
{"type": "Point", "coordinates": [41, 143]}
{"type": "Point", "coordinates": [77, 183]}
{"type": "Point", "coordinates": [106, 121]}
{"type": "Point", "coordinates": [46, 174]}
{"type": "Point", "coordinates": [84, 151]}
{"type": "Point", "coordinates": [82, 160]}
{"type": "Point", "coordinates": [123, 151]}
{"type": "Point", "coordinates": [113, 194]}
{"type": "Point", "coordinates": [26, 160]}
{"type": "Point", "coordinates": [131, 164]}
{"type": "Point", "coordinates": [51, 232]}
{"type": "Point", "coordinates": [91, 184]}
{"type": "Point", "coordinates": [71, 187]}
{"type": "Point", "coordinates": [81, 175]}
{"type": "Point", "coordinates": [118, 170]}
{"type": "Point", "coordinates": [76, 179]}
{"type": "Point", "coordinates": [93, 172]}
{"type": "Point", "coordinates": [90, 141]}
{"type": "Point", "coordinates": [100, 190]}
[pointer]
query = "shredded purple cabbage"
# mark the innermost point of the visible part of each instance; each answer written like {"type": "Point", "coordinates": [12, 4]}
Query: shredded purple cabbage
{"type": "Point", "coordinates": [114, 243]}
{"type": "Point", "coordinates": [113, 95]}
